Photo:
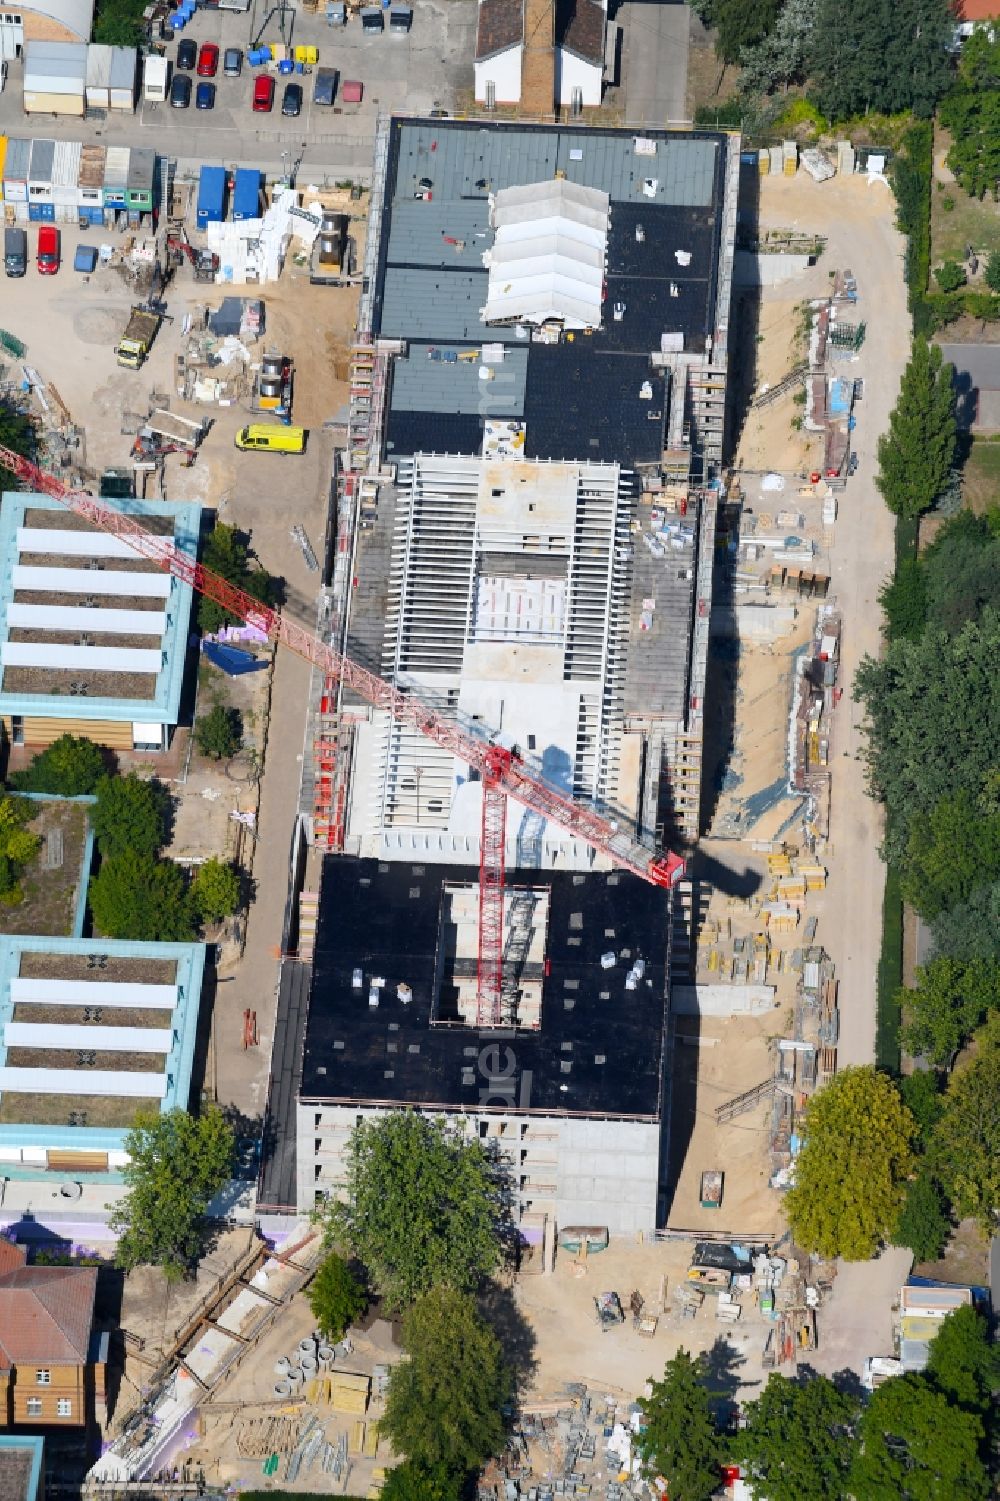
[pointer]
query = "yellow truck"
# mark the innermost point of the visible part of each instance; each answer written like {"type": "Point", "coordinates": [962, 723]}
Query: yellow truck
{"type": "Point", "coordinates": [135, 342]}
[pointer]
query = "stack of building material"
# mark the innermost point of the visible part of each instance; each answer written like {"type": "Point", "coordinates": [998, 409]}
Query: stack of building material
{"type": "Point", "coordinates": [818, 165]}
{"type": "Point", "coordinates": [789, 158]}
{"type": "Point", "coordinates": [349, 1393]}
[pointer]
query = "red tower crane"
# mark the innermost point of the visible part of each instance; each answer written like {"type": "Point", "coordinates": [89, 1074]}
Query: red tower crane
{"type": "Point", "coordinates": [501, 770]}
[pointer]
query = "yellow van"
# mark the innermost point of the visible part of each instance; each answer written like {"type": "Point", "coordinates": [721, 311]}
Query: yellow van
{"type": "Point", "coordinates": [270, 437]}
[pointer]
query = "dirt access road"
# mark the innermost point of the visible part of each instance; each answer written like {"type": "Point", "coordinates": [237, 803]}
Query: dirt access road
{"type": "Point", "coordinates": [858, 220]}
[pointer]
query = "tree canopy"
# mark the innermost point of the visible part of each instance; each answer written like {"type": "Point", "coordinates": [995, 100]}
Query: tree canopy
{"type": "Point", "coordinates": [916, 1445]}
{"type": "Point", "coordinates": [782, 55]}
{"type": "Point", "coordinates": [740, 24]}
{"type": "Point", "coordinates": [424, 1206]}
{"type": "Point", "coordinates": [947, 1004]}
{"type": "Point", "coordinates": [227, 552]}
{"type": "Point", "coordinates": [416, 1482]}
{"type": "Point", "coordinates": [953, 848]}
{"type": "Point", "coordinates": [336, 1297]}
{"type": "Point", "coordinates": [881, 55]}
{"type": "Point", "coordinates": [966, 1145]}
{"type": "Point", "coordinates": [17, 431]}
{"type": "Point", "coordinates": [177, 1164]}
{"type": "Point", "coordinates": [219, 733]}
{"type": "Point", "coordinates": [796, 1439]}
{"type": "Point", "coordinates": [932, 721]}
{"type": "Point", "coordinates": [215, 890]}
{"type": "Point", "coordinates": [851, 1171]}
{"type": "Point", "coordinates": [971, 112]}
{"type": "Point", "coordinates": [679, 1440]}
{"type": "Point", "coordinates": [133, 896]}
{"type": "Point", "coordinates": [130, 814]}
{"type": "Point", "coordinates": [444, 1409]}
{"type": "Point", "coordinates": [18, 845]}
{"type": "Point", "coordinates": [916, 453]}
{"type": "Point", "coordinates": [71, 766]}
{"type": "Point", "coordinates": [923, 1222]}
{"type": "Point", "coordinates": [963, 1363]}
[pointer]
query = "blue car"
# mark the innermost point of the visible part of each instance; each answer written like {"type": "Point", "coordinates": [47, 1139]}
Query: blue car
{"type": "Point", "coordinates": [204, 96]}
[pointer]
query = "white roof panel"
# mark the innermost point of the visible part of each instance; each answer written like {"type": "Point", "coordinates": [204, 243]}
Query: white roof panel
{"type": "Point", "coordinates": [84, 618]}
{"type": "Point", "coordinates": [93, 993]}
{"type": "Point", "coordinates": [548, 258]}
{"type": "Point", "coordinates": [90, 581]}
{"type": "Point", "coordinates": [51, 539]}
{"type": "Point", "coordinates": [80, 658]}
{"type": "Point", "coordinates": [104, 1039]}
{"type": "Point", "coordinates": [83, 1081]}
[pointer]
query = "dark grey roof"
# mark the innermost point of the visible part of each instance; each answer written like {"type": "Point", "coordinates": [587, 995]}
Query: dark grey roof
{"type": "Point", "coordinates": [437, 306]}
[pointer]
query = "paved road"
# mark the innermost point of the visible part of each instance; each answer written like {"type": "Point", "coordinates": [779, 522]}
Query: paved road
{"type": "Point", "coordinates": [654, 62]}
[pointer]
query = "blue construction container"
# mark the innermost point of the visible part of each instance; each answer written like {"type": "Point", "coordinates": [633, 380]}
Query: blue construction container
{"type": "Point", "coordinates": [246, 194]}
{"type": "Point", "coordinates": [286, 65]}
{"type": "Point", "coordinates": [211, 195]}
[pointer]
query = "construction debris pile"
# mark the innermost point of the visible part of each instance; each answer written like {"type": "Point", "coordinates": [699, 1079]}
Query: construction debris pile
{"type": "Point", "coordinates": [583, 1444]}
{"type": "Point", "coordinates": [731, 1278]}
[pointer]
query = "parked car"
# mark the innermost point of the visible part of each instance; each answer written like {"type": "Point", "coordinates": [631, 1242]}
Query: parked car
{"type": "Point", "coordinates": [208, 60]}
{"type": "Point", "coordinates": [291, 100]}
{"type": "Point", "coordinates": [204, 96]}
{"type": "Point", "coordinates": [325, 86]}
{"type": "Point", "coordinates": [263, 94]}
{"type": "Point", "coordinates": [232, 62]}
{"type": "Point", "coordinates": [180, 91]}
{"type": "Point", "coordinates": [49, 250]}
{"type": "Point", "coordinates": [187, 54]}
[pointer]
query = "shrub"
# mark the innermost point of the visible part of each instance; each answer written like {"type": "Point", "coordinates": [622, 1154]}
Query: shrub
{"type": "Point", "coordinates": [219, 733]}
{"type": "Point", "coordinates": [71, 766]}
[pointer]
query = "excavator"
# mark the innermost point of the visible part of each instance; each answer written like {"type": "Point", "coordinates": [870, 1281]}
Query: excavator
{"type": "Point", "coordinates": [204, 263]}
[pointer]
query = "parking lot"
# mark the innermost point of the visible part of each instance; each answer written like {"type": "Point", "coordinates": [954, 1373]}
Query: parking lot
{"type": "Point", "coordinates": [415, 73]}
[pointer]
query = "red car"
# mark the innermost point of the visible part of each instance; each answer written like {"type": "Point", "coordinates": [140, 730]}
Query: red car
{"type": "Point", "coordinates": [263, 95]}
{"type": "Point", "coordinates": [208, 60]}
{"type": "Point", "coordinates": [49, 250]}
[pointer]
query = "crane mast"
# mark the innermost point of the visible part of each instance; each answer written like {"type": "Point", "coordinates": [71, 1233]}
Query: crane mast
{"type": "Point", "coordinates": [501, 771]}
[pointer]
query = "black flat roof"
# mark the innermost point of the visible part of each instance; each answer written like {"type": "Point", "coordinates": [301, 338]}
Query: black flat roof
{"type": "Point", "coordinates": [662, 275]}
{"type": "Point", "coordinates": [598, 1050]}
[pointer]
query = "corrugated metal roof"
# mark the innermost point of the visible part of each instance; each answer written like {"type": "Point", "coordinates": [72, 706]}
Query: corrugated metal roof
{"type": "Point", "coordinates": [124, 61]}
{"type": "Point", "coordinates": [437, 306]}
{"type": "Point", "coordinates": [66, 166]}
{"type": "Point", "coordinates": [98, 66]}
{"type": "Point", "coordinates": [116, 167]}
{"type": "Point", "coordinates": [49, 76]}
{"type": "Point", "coordinates": [423, 384]}
{"type": "Point", "coordinates": [43, 154]}
{"type": "Point", "coordinates": [417, 234]}
{"type": "Point", "coordinates": [15, 167]}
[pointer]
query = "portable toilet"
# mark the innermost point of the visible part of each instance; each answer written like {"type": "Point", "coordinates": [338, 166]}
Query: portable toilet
{"type": "Point", "coordinates": [246, 194]}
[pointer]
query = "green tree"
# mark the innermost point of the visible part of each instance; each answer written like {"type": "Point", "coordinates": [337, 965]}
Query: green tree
{"type": "Point", "coordinates": [947, 1005]}
{"type": "Point", "coordinates": [797, 1439]}
{"type": "Point", "coordinates": [971, 112]}
{"type": "Point", "coordinates": [18, 846]}
{"type": "Point", "coordinates": [336, 1297]}
{"type": "Point", "coordinates": [950, 276]}
{"type": "Point", "coordinates": [227, 553]}
{"type": "Point", "coordinates": [963, 570]}
{"type": "Point", "coordinates": [992, 272]}
{"type": "Point", "coordinates": [952, 849]}
{"type": "Point", "coordinates": [915, 1445]}
{"type": "Point", "coordinates": [851, 1172]}
{"type": "Point", "coordinates": [219, 733]}
{"type": "Point", "coordinates": [70, 767]}
{"type": "Point", "coordinates": [445, 1402]}
{"type": "Point", "coordinates": [215, 890]}
{"type": "Point", "coordinates": [17, 431]}
{"type": "Point", "coordinates": [971, 929]}
{"type": "Point", "coordinates": [781, 57]}
{"type": "Point", "coordinates": [119, 23]}
{"type": "Point", "coordinates": [176, 1165]}
{"type": "Point", "coordinates": [740, 24]}
{"type": "Point", "coordinates": [130, 814]}
{"type": "Point", "coordinates": [915, 454]}
{"type": "Point", "coordinates": [921, 1094]}
{"type": "Point", "coordinates": [923, 1223]}
{"type": "Point", "coordinates": [883, 55]}
{"type": "Point", "coordinates": [932, 721]}
{"type": "Point", "coordinates": [133, 896]}
{"type": "Point", "coordinates": [904, 600]}
{"type": "Point", "coordinates": [679, 1441]}
{"type": "Point", "coordinates": [966, 1147]}
{"type": "Point", "coordinates": [963, 1363]}
{"type": "Point", "coordinates": [415, 1482]}
{"type": "Point", "coordinates": [424, 1205]}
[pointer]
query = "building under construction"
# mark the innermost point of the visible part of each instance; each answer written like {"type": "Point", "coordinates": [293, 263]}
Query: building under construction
{"type": "Point", "coordinates": [527, 529]}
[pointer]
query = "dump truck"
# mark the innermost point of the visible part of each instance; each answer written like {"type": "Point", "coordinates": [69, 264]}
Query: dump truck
{"type": "Point", "coordinates": [138, 337]}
